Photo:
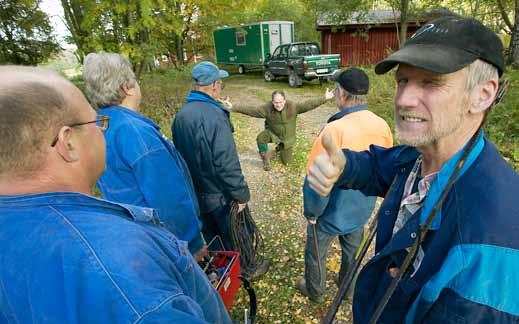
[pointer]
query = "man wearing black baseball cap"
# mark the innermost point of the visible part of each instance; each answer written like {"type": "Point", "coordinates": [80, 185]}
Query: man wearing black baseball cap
{"type": "Point", "coordinates": [344, 212]}
{"type": "Point", "coordinates": [447, 247]}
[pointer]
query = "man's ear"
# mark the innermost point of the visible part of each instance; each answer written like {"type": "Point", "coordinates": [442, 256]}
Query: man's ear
{"type": "Point", "coordinates": [483, 96]}
{"type": "Point", "coordinates": [67, 145]}
{"type": "Point", "coordinates": [343, 95]}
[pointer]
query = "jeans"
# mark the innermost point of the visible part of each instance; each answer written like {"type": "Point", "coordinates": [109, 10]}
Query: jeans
{"type": "Point", "coordinates": [349, 243]}
{"type": "Point", "coordinates": [216, 223]}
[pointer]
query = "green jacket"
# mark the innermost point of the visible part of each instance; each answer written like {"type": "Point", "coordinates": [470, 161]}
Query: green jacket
{"type": "Point", "coordinates": [282, 124]}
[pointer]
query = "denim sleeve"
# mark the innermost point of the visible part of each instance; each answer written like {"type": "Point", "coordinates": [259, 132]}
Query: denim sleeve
{"type": "Point", "coordinates": [178, 309]}
{"type": "Point", "coordinates": [166, 188]}
{"type": "Point", "coordinates": [314, 204]}
{"type": "Point", "coordinates": [370, 171]}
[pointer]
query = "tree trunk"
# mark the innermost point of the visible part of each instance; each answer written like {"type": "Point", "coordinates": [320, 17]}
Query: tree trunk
{"type": "Point", "coordinates": [179, 46]}
{"type": "Point", "coordinates": [513, 48]}
{"type": "Point", "coordinates": [404, 8]}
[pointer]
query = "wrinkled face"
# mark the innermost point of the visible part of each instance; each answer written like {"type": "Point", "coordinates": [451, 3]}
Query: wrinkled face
{"type": "Point", "coordinates": [135, 93]}
{"type": "Point", "coordinates": [278, 101]}
{"type": "Point", "coordinates": [430, 108]}
{"type": "Point", "coordinates": [217, 88]}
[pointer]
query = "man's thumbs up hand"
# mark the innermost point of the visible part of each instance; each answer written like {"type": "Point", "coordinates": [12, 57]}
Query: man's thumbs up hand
{"type": "Point", "coordinates": [327, 167]}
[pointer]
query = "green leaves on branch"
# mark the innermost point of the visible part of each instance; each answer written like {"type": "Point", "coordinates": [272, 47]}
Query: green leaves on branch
{"type": "Point", "coordinates": [25, 33]}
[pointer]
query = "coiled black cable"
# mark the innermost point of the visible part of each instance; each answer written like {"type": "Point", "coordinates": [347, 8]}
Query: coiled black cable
{"type": "Point", "coordinates": [246, 239]}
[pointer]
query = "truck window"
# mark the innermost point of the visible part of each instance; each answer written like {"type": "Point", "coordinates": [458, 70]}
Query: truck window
{"type": "Point", "coordinates": [276, 52]}
{"type": "Point", "coordinates": [284, 51]}
{"type": "Point", "coordinates": [240, 39]}
{"type": "Point", "coordinates": [294, 50]}
{"type": "Point", "coordinates": [312, 49]}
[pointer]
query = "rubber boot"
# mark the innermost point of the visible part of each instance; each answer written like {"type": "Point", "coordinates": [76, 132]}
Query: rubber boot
{"type": "Point", "coordinates": [266, 161]}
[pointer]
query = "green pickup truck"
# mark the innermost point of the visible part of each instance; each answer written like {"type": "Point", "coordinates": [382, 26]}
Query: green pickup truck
{"type": "Point", "coordinates": [300, 61]}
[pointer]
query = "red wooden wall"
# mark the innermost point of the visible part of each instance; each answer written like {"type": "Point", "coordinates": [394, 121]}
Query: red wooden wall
{"type": "Point", "coordinates": [361, 50]}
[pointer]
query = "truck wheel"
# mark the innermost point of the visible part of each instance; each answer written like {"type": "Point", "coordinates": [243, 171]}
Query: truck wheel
{"type": "Point", "coordinates": [269, 76]}
{"type": "Point", "coordinates": [241, 69]}
{"type": "Point", "coordinates": [294, 80]}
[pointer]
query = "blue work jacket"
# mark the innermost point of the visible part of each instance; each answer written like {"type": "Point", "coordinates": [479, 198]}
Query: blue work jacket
{"type": "Point", "coordinates": [468, 273]}
{"type": "Point", "coordinates": [202, 132]}
{"type": "Point", "coordinates": [72, 258]}
{"type": "Point", "coordinates": [144, 168]}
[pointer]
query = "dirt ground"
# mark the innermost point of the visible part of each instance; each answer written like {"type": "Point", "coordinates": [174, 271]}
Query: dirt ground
{"type": "Point", "coordinates": [276, 204]}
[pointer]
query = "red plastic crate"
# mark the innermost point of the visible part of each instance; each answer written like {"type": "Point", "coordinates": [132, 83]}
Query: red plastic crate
{"type": "Point", "coordinates": [230, 282]}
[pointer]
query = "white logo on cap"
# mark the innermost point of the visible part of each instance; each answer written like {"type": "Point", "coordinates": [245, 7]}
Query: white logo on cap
{"type": "Point", "coordinates": [423, 30]}
{"type": "Point", "coordinates": [429, 28]}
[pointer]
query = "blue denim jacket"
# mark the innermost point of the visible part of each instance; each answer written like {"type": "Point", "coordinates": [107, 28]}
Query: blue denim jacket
{"type": "Point", "coordinates": [471, 253]}
{"type": "Point", "coordinates": [72, 258]}
{"type": "Point", "coordinates": [145, 169]}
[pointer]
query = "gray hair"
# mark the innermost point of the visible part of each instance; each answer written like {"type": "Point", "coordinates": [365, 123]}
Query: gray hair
{"type": "Point", "coordinates": [478, 72]}
{"type": "Point", "coordinates": [361, 99]}
{"type": "Point", "coordinates": [104, 75]}
{"type": "Point", "coordinates": [32, 109]}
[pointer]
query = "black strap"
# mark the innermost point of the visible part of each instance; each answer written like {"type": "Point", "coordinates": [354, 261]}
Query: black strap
{"type": "Point", "coordinates": [413, 251]}
{"type": "Point", "coordinates": [354, 268]}
{"type": "Point", "coordinates": [252, 299]}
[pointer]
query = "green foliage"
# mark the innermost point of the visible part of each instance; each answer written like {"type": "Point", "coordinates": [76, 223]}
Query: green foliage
{"type": "Point", "coordinates": [25, 33]}
{"type": "Point", "coordinates": [502, 127]}
{"type": "Point", "coordinates": [163, 93]}
{"type": "Point", "coordinates": [297, 11]}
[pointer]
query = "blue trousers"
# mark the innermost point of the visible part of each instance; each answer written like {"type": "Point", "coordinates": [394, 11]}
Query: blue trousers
{"type": "Point", "coordinates": [349, 243]}
{"type": "Point", "coordinates": [216, 223]}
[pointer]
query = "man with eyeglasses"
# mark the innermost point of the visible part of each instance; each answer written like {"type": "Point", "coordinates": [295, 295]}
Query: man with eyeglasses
{"type": "Point", "coordinates": [66, 256]}
{"type": "Point", "coordinates": [143, 167]}
{"type": "Point", "coordinates": [342, 213]}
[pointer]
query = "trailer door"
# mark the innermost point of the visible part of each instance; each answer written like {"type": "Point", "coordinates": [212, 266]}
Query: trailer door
{"type": "Point", "coordinates": [275, 37]}
{"type": "Point", "coordinates": [286, 33]}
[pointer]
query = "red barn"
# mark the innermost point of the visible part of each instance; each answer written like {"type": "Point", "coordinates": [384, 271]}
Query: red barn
{"type": "Point", "coordinates": [367, 38]}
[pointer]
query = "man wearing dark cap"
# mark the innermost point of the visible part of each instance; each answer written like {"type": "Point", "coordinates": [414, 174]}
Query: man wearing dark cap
{"type": "Point", "coordinates": [280, 117]}
{"type": "Point", "coordinates": [343, 213]}
{"type": "Point", "coordinates": [447, 248]}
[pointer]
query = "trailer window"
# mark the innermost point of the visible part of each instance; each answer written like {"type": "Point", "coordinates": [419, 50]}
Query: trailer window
{"type": "Point", "coordinates": [240, 39]}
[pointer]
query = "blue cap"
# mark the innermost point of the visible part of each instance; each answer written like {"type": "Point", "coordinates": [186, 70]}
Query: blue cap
{"type": "Point", "coordinates": [205, 73]}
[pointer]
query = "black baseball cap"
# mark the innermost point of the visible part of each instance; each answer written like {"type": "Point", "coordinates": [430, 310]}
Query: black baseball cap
{"type": "Point", "coordinates": [353, 80]}
{"type": "Point", "coordinates": [446, 45]}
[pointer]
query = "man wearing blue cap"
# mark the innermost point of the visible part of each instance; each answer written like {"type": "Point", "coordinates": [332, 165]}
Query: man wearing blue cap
{"type": "Point", "coordinates": [202, 132]}
{"type": "Point", "coordinates": [447, 248]}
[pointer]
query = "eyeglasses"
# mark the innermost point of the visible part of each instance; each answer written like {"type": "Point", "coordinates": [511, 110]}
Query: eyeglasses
{"type": "Point", "coordinates": [220, 82]}
{"type": "Point", "coordinates": [101, 121]}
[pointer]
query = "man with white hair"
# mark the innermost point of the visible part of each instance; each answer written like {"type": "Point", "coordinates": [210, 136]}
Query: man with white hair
{"type": "Point", "coordinates": [202, 131]}
{"type": "Point", "coordinates": [143, 167]}
{"type": "Point", "coordinates": [66, 256]}
{"type": "Point", "coordinates": [447, 248]}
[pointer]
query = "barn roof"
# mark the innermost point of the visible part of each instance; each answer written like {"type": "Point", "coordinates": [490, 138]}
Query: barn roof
{"type": "Point", "coordinates": [378, 17]}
